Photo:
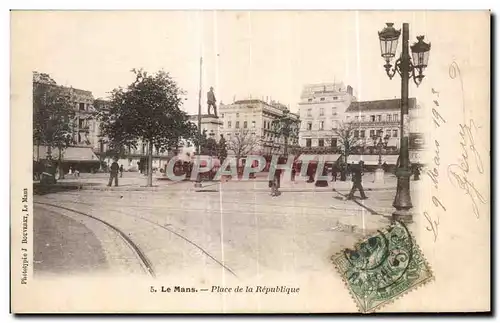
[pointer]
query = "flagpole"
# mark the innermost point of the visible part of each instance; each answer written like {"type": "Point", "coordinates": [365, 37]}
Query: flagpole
{"type": "Point", "coordinates": [200, 133]}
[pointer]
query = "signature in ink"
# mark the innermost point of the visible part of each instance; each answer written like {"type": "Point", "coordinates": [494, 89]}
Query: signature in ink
{"type": "Point", "coordinates": [458, 174]}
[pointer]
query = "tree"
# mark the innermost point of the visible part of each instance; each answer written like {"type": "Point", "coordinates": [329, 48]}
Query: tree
{"type": "Point", "coordinates": [53, 113]}
{"type": "Point", "coordinates": [345, 136]}
{"type": "Point", "coordinates": [147, 111]}
{"type": "Point", "coordinates": [243, 143]}
{"type": "Point", "coordinates": [286, 127]}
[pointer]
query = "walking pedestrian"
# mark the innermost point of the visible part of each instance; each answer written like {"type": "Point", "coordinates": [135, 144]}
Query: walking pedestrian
{"type": "Point", "coordinates": [114, 172]}
{"type": "Point", "coordinates": [121, 170]}
{"type": "Point", "coordinates": [357, 179]}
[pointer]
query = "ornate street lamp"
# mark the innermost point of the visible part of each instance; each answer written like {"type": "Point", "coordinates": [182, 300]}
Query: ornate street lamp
{"type": "Point", "coordinates": [380, 144]}
{"type": "Point", "coordinates": [405, 67]}
{"type": "Point", "coordinates": [287, 127]}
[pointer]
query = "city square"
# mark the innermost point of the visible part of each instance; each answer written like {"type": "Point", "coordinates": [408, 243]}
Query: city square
{"type": "Point", "coordinates": [229, 224]}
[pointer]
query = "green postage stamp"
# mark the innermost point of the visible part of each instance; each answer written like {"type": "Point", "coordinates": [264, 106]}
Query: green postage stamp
{"type": "Point", "coordinates": [383, 267]}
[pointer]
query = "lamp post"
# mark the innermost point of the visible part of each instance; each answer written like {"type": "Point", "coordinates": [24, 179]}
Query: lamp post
{"type": "Point", "coordinates": [406, 68]}
{"type": "Point", "coordinates": [380, 143]}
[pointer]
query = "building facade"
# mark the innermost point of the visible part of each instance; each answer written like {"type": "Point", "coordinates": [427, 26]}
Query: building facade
{"type": "Point", "coordinates": [321, 108]}
{"type": "Point", "coordinates": [253, 117]}
{"type": "Point", "coordinates": [371, 121]}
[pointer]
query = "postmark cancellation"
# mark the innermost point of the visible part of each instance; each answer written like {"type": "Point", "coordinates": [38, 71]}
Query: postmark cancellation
{"type": "Point", "coordinates": [382, 267]}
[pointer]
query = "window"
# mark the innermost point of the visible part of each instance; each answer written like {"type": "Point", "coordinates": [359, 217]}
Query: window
{"type": "Point", "coordinates": [380, 133]}
{"type": "Point", "coordinates": [362, 118]}
{"type": "Point", "coordinates": [356, 133]}
{"type": "Point", "coordinates": [322, 99]}
{"type": "Point", "coordinates": [395, 132]}
{"type": "Point", "coordinates": [389, 118]}
{"type": "Point", "coordinates": [237, 124]}
{"type": "Point", "coordinates": [81, 106]}
{"type": "Point", "coordinates": [395, 117]}
{"type": "Point", "coordinates": [229, 124]}
{"type": "Point", "coordinates": [372, 118]}
{"type": "Point", "coordinates": [335, 97]}
{"type": "Point", "coordinates": [321, 125]}
{"type": "Point", "coordinates": [362, 133]}
{"type": "Point", "coordinates": [356, 118]}
{"type": "Point", "coordinates": [309, 126]}
{"type": "Point", "coordinates": [253, 124]}
{"type": "Point", "coordinates": [237, 114]}
{"type": "Point", "coordinates": [222, 115]}
{"type": "Point", "coordinates": [388, 133]}
{"type": "Point", "coordinates": [309, 112]}
{"type": "Point", "coordinates": [321, 142]}
{"type": "Point", "coordinates": [309, 100]}
{"type": "Point", "coordinates": [372, 133]}
{"type": "Point", "coordinates": [308, 143]}
{"type": "Point", "coordinates": [245, 124]}
{"type": "Point", "coordinates": [379, 118]}
{"type": "Point", "coordinates": [322, 112]}
{"type": "Point", "coordinates": [333, 142]}
{"type": "Point", "coordinates": [228, 134]}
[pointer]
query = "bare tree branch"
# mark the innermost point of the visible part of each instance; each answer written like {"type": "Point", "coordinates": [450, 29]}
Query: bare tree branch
{"type": "Point", "coordinates": [243, 143]}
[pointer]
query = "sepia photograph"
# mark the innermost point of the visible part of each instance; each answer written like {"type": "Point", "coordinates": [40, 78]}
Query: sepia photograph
{"type": "Point", "coordinates": [224, 161]}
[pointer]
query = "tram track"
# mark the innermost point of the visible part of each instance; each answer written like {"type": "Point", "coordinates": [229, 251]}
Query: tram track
{"type": "Point", "coordinates": [136, 248]}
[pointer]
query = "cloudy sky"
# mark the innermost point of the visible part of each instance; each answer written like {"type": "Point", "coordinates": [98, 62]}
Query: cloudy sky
{"type": "Point", "coordinates": [245, 53]}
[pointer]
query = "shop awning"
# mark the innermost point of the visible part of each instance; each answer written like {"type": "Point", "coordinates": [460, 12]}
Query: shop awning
{"type": "Point", "coordinates": [371, 160]}
{"type": "Point", "coordinates": [329, 158]}
{"type": "Point", "coordinates": [70, 154]}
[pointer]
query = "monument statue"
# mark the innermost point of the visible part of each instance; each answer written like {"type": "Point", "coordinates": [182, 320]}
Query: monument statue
{"type": "Point", "coordinates": [211, 101]}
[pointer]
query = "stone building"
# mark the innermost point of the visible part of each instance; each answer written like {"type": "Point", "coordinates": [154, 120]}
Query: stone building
{"type": "Point", "coordinates": [321, 109]}
{"type": "Point", "coordinates": [372, 120]}
{"type": "Point", "coordinates": [85, 131]}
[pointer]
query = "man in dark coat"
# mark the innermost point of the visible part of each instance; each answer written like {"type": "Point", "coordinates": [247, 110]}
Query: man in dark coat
{"type": "Point", "coordinates": [211, 101]}
{"type": "Point", "coordinates": [357, 179]}
{"type": "Point", "coordinates": [114, 172]}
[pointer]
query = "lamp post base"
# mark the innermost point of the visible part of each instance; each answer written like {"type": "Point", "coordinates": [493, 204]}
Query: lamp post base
{"type": "Point", "coordinates": [402, 200]}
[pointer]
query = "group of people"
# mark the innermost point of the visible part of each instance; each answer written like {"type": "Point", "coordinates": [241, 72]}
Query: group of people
{"type": "Point", "coordinates": [355, 170]}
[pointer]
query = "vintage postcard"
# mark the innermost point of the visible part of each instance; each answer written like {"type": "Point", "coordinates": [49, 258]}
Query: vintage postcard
{"type": "Point", "coordinates": [219, 161]}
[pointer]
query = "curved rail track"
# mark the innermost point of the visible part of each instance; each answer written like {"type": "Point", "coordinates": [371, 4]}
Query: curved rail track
{"type": "Point", "coordinates": [145, 262]}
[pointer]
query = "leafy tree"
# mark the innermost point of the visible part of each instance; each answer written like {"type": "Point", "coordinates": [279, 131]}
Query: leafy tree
{"type": "Point", "coordinates": [286, 127]}
{"type": "Point", "coordinates": [242, 144]}
{"type": "Point", "coordinates": [147, 111]}
{"type": "Point", "coordinates": [53, 114]}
